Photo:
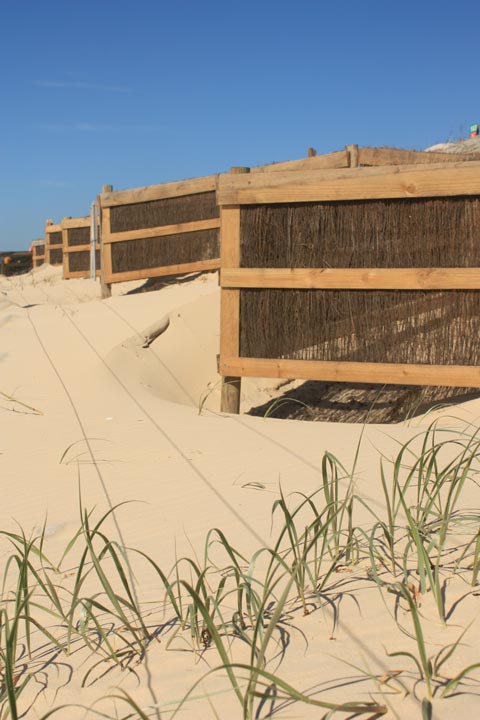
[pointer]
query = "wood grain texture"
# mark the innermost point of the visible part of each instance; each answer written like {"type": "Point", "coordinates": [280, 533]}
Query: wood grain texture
{"type": "Point", "coordinates": [80, 274]}
{"type": "Point", "coordinates": [68, 223]}
{"type": "Point", "coordinates": [57, 227]}
{"type": "Point", "coordinates": [157, 192]}
{"type": "Point", "coordinates": [230, 299]}
{"type": "Point", "coordinates": [353, 278]}
{"type": "Point", "coordinates": [396, 156]}
{"type": "Point", "coordinates": [410, 181]}
{"type": "Point", "coordinates": [384, 373]}
{"type": "Point", "coordinates": [200, 266]}
{"type": "Point", "coordinates": [337, 159]}
{"type": "Point", "coordinates": [162, 230]}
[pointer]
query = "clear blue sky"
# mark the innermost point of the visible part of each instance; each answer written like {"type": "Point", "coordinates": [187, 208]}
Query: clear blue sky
{"type": "Point", "coordinates": [137, 93]}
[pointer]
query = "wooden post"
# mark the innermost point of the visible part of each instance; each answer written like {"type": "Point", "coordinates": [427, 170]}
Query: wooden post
{"type": "Point", "coordinates": [106, 288]}
{"type": "Point", "coordinates": [230, 303]}
{"type": "Point", "coordinates": [353, 155]}
{"type": "Point", "coordinates": [311, 152]}
{"type": "Point", "coordinates": [66, 256]}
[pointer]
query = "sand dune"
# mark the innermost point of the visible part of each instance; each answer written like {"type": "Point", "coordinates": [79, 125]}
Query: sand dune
{"type": "Point", "coordinates": [85, 408]}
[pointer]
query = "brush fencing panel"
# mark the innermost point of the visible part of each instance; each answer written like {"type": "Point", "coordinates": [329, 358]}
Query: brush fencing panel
{"type": "Point", "coordinates": [361, 275]}
{"type": "Point", "coordinates": [53, 243]}
{"type": "Point", "coordinates": [160, 230]}
{"type": "Point", "coordinates": [38, 253]}
{"type": "Point", "coordinates": [76, 248]}
{"type": "Point", "coordinates": [165, 251]}
{"type": "Point", "coordinates": [376, 326]}
{"type": "Point", "coordinates": [79, 263]}
{"type": "Point", "coordinates": [425, 232]}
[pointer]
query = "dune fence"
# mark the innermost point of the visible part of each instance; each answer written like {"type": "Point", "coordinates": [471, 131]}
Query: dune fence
{"type": "Point", "coordinates": [38, 252]}
{"type": "Point", "coordinates": [77, 244]}
{"type": "Point", "coordinates": [160, 230]}
{"type": "Point", "coordinates": [53, 243]}
{"type": "Point", "coordinates": [369, 273]}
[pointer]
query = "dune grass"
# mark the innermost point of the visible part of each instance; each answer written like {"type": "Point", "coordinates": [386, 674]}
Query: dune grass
{"type": "Point", "coordinates": [232, 608]}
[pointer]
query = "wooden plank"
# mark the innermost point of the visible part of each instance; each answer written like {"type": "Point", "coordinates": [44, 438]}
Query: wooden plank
{"type": "Point", "coordinates": [69, 223]}
{"type": "Point", "coordinates": [395, 156]}
{"type": "Point", "coordinates": [200, 266]}
{"type": "Point", "coordinates": [158, 192]}
{"type": "Point", "coordinates": [65, 259]}
{"type": "Point", "coordinates": [230, 299]}
{"type": "Point", "coordinates": [410, 181]}
{"type": "Point", "coordinates": [353, 278]}
{"type": "Point", "coordinates": [80, 248]}
{"type": "Point", "coordinates": [162, 230]}
{"type": "Point", "coordinates": [80, 274]}
{"type": "Point", "coordinates": [333, 160]}
{"type": "Point", "coordinates": [230, 308]}
{"type": "Point", "coordinates": [105, 253]}
{"type": "Point", "coordinates": [384, 373]}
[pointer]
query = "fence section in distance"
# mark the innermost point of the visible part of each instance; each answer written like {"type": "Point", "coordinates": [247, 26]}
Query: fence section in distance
{"type": "Point", "coordinates": [160, 230]}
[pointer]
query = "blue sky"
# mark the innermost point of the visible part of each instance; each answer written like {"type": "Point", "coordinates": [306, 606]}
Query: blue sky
{"type": "Point", "coordinates": [137, 93]}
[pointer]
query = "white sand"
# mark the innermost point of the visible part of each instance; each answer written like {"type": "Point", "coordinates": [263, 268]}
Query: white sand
{"type": "Point", "coordinates": [79, 362]}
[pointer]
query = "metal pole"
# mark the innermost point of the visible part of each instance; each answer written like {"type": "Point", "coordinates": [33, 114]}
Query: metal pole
{"type": "Point", "coordinates": [93, 240]}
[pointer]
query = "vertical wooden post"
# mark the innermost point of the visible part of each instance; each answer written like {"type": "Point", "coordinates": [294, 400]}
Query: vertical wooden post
{"type": "Point", "coordinates": [47, 241]}
{"type": "Point", "coordinates": [311, 152]}
{"type": "Point", "coordinates": [230, 302]}
{"type": "Point", "coordinates": [353, 155]}
{"type": "Point", "coordinates": [106, 288]}
{"type": "Point", "coordinates": [66, 256]}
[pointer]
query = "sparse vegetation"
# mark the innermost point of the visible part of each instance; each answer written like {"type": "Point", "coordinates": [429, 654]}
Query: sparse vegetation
{"type": "Point", "coordinates": [233, 610]}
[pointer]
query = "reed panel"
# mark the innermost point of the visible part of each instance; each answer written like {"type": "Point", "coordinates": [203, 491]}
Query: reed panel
{"type": "Point", "coordinates": [78, 236]}
{"type": "Point", "coordinates": [164, 251]}
{"type": "Point", "coordinates": [431, 232]}
{"type": "Point", "coordinates": [381, 326]}
{"type": "Point", "coordinates": [166, 211]}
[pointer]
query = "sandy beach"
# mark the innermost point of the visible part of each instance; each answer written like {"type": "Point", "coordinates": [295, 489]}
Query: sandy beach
{"type": "Point", "coordinates": [93, 422]}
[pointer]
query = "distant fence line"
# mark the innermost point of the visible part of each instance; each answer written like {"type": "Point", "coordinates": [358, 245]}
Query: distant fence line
{"type": "Point", "coordinates": [53, 243]}
{"type": "Point", "coordinates": [358, 274]}
{"type": "Point", "coordinates": [76, 248]}
{"type": "Point", "coordinates": [160, 230]}
{"type": "Point", "coordinates": [38, 252]}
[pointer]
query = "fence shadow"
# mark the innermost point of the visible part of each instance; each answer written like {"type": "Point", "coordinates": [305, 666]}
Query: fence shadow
{"type": "Point", "coordinates": [359, 403]}
{"type": "Point", "coordinates": [153, 284]}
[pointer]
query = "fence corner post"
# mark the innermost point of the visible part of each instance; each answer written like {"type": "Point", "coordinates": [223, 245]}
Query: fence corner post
{"type": "Point", "coordinates": [106, 288]}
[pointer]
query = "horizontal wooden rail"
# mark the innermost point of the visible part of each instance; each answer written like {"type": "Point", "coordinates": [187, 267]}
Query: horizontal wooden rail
{"type": "Point", "coordinates": [79, 248]}
{"type": "Point", "coordinates": [374, 156]}
{"type": "Point", "coordinates": [353, 278]}
{"type": "Point", "coordinates": [69, 223]}
{"type": "Point", "coordinates": [338, 159]}
{"type": "Point", "coordinates": [161, 230]}
{"type": "Point", "coordinates": [409, 181]}
{"type": "Point", "coordinates": [158, 192]}
{"type": "Point", "coordinates": [144, 274]}
{"type": "Point", "coordinates": [358, 372]}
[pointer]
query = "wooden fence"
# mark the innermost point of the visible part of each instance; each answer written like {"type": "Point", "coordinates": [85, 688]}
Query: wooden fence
{"type": "Point", "coordinates": [76, 248]}
{"type": "Point", "coordinates": [366, 273]}
{"type": "Point", "coordinates": [53, 243]}
{"type": "Point", "coordinates": [38, 252]}
{"type": "Point", "coordinates": [160, 230]}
